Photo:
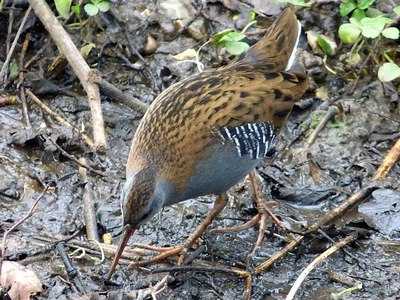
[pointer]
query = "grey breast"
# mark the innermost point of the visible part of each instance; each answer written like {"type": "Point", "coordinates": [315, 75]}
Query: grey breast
{"type": "Point", "coordinates": [221, 168]}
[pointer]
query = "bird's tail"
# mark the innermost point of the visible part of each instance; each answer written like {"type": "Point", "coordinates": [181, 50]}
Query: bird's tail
{"type": "Point", "coordinates": [276, 51]}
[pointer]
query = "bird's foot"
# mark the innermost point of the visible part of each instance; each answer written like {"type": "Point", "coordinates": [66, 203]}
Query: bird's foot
{"type": "Point", "coordinates": [183, 249]}
{"type": "Point", "coordinates": [264, 213]}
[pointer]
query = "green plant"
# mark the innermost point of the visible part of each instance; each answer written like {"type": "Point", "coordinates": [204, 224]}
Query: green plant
{"type": "Point", "coordinates": [366, 22]}
{"type": "Point", "coordinates": [65, 7]}
{"type": "Point", "coordinates": [231, 40]}
{"type": "Point", "coordinates": [96, 6]}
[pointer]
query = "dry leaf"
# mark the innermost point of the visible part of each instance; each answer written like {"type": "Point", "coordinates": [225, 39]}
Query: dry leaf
{"type": "Point", "coordinates": [20, 281]}
{"type": "Point", "coordinates": [187, 54]}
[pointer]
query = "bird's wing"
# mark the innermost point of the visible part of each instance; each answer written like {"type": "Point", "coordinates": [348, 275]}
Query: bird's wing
{"type": "Point", "coordinates": [253, 140]}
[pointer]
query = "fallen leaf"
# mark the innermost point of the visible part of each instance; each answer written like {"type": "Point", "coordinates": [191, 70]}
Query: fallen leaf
{"type": "Point", "coordinates": [21, 282]}
{"type": "Point", "coordinates": [383, 211]}
{"type": "Point", "coordinates": [187, 54]}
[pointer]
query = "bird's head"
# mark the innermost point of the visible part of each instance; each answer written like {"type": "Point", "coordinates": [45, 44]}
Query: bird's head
{"type": "Point", "coordinates": [141, 198]}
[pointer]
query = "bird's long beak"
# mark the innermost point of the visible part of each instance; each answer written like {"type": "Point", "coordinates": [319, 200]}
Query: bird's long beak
{"type": "Point", "coordinates": [129, 230]}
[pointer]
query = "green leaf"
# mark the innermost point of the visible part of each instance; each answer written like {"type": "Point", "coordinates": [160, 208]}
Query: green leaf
{"type": "Point", "coordinates": [372, 27]}
{"type": "Point", "coordinates": [358, 14]}
{"type": "Point", "coordinates": [355, 22]}
{"type": "Point", "coordinates": [397, 10]}
{"type": "Point", "coordinates": [14, 70]}
{"type": "Point", "coordinates": [349, 33]}
{"type": "Point", "coordinates": [346, 7]}
{"type": "Point", "coordinates": [91, 9]}
{"type": "Point", "coordinates": [236, 48]}
{"type": "Point", "coordinates": [391, 33]}
{"type": "Point", "coordinates": [364, 4]}
{"type": "Point", "coordinates": [388, 72]}
{"type": "Point", "coordinates": [217, 37]}
{"type": "Point", "coordinates": [373, 12]}
{"type": "Point", "coordinates": [85, 50]}
{"type": "Point", "coordinates": [104, 6]}
{"type": "Point", "coordinates": [233, 36]}
{"type": "Point", "coordinates": [326, 44]}
{"type": "Point", "coordinates": [76, 9]}
{"type": "Point", "coordinates": [63, 7]}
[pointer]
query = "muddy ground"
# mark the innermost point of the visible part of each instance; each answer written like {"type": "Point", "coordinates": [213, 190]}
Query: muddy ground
{"type": "Point", "coordinates": [343, 158]}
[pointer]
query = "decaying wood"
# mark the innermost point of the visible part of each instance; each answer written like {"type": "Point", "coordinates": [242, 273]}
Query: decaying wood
{"type": "Point", "coordinates": [320, 258]}
{"type": "Point", "coordinates": [89, 210]}
{"type": "Point", "coordinates": [390, 160]}
{"type": "Point", "coordinates": [60, 119]}
{"type": "Point", "coordinates": [79, 66]}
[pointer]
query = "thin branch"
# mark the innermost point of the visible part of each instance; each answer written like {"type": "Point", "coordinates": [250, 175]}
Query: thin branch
{"type": "Point", "coordinates": [60, 119]}
{"type": "Point", "coordinates": [278, 255]}
{"type": "Point", "coordinates": [332, 111]}
{"type": "Point", "coordinates": [316, 262]}
{"type": "Point", "coordinates": [79, 66]}
{"type": "Point", "coordinates": [115, 93]}
{"type": "Point", "coordinates": [390, 160]}
{"type": "Point", "coordinates": [13, 227]}
{"type": "Point", "coordinates": [4, 68]}
{"type": "Point", "coordinates": [82, 164]}
{"type": "Point", "coordinates": [339, 210]}
{"type": "Point", "coordinates": [89, 211]}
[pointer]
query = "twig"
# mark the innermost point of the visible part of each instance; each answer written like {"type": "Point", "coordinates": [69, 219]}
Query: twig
{"type": "Point", "coordinates": [10, 25]}
{"type": "Point", "coordinates": [4, 68]}
{"type": "Point", "coordinates": [337, 211]}
{"type": "Point", "coordinates": [21, 59]}
{"type": "Point", "coordinates": [332, 111]}
{"type": "Point", "coordinates": [28, 125]}
{"type": "Point", "coordinates": [317, 261]}
{"type": "Point", "coordinates": [278, 255]}
{"type": "Point", "coordinates": [60, 119]}
{"type": "Point", "coordinates": [37, 54]}
{"type": "Point", "coordinates": [115, 93]}
{"type": "Point", "coordinates": [81, 163]}
{"type": "Point", "coordinates": [213, 269]}
{"type": "Point", "coordinates": [72, 272]}
{"type": "Point", "coordinates": [89, 211]}
{"type": "Point", "coordinates": [79, 66]}
{"type": "Point", "coordinates": [12, 228]}
{"type": "Point", "coordinates": [390, 159]}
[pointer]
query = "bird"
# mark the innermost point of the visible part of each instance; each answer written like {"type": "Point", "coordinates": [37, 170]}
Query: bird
{"type": "Point", "coordinates": [204, 134]}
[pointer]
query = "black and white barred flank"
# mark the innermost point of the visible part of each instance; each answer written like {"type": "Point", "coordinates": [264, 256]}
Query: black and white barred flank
{"type": "Point", "coordinates": [253, 139]}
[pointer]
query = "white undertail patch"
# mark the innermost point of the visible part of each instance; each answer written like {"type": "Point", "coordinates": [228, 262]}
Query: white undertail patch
{"type": "Point", "coordinates": [292, 57]}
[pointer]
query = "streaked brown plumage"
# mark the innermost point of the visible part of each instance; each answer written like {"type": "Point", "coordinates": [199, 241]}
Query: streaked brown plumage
{"type": "Point", "coordinates": [180, 131]}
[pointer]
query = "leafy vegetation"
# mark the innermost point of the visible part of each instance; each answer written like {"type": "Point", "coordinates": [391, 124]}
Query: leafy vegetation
{"type": "Point", "coordinates": [92, 7]}
{"type": "Point", "coordinates": [368, 23]}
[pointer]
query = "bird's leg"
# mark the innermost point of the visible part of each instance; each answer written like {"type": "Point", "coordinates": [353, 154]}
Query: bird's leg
{"type": "Point", "coordinates": [181, 250]}
{"type": "Point", "coordinates": [261, 218]}
{"type": "Point", "coordinates": [263, 210]}
{"type": "Point", "coordinates": [219, 205]}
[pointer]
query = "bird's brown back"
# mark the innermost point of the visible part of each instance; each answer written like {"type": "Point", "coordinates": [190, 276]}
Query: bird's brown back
{"type": "Point", "coordinates": [182, 122]}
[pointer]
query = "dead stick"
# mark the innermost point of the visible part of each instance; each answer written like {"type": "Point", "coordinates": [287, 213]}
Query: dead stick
{"type": "Point", "coordinates": [337, 211]}
{"type": "Point", "coordinates": [390, 159]}
{"type": "Point", "coordinates": [115, 93]}
{"type": "Point", "coordinates": [79, 66]}
{"type": "Point", "coordinates": [89, 210]}
{"type": "Point", "coordinates": [59, 119]}
{"type": "Point", "coordinates": [4, 68]}
{"type": "Point", "coordinates": [82, 164]}
{"type": "Point", "coordinates": [332, 111]}
{"type": "Point", "coordinates": [316, 262]}
{"type": "Point", "coordinates": [12, 228]}
{"type": "Point", "coordinates": [278, 255]}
